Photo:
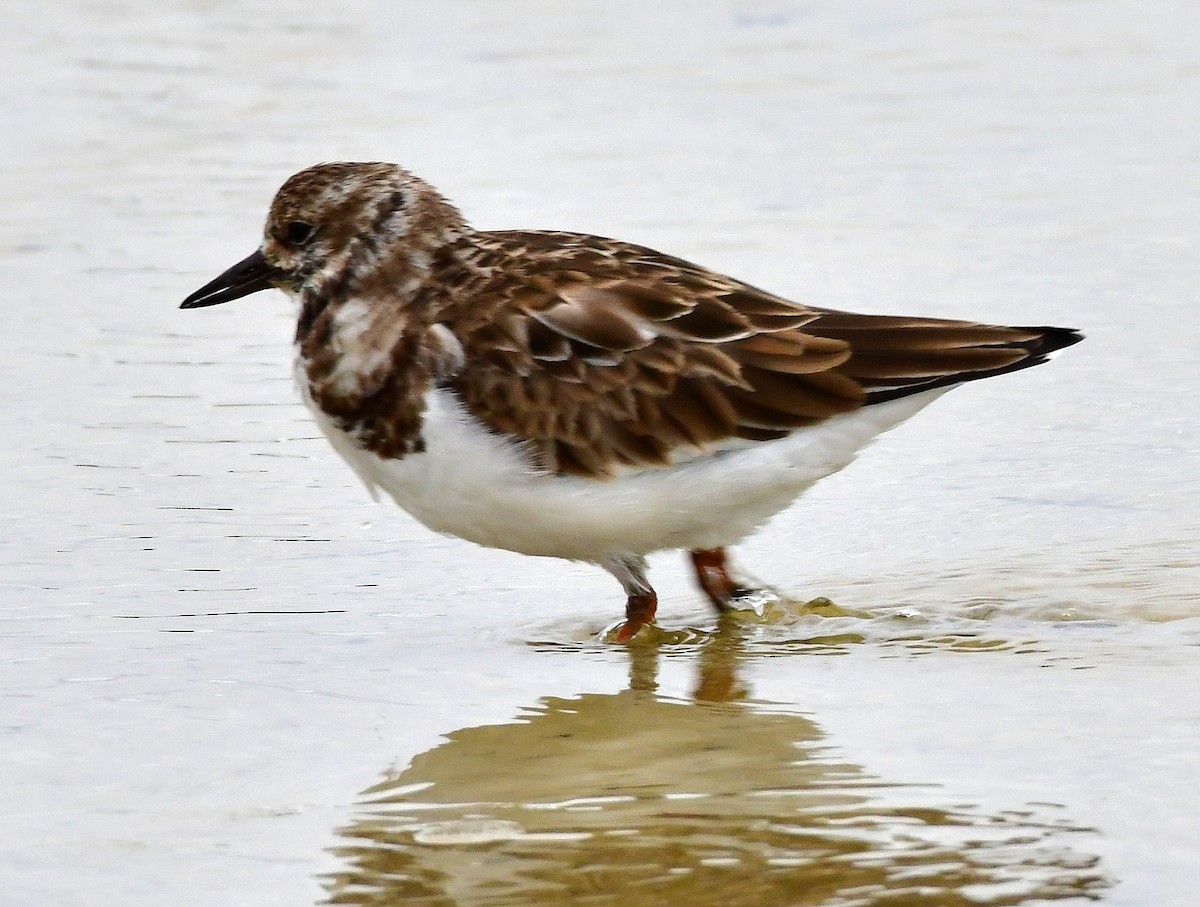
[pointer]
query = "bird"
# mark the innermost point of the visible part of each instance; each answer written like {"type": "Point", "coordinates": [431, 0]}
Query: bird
{"type": "Point", "coordinates": [566, 395]}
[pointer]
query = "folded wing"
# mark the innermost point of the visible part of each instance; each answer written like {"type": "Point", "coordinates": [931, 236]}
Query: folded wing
{"type": "Point", "coordinates": [602, 354]}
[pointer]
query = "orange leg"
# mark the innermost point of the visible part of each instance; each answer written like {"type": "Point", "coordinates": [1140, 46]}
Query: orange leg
{"type": "Point", "coordinates": [641, 602]}
{"type": "Point", "coordinates": [712, 573]}
{"type": "Point", "coordinates": [639, 611]}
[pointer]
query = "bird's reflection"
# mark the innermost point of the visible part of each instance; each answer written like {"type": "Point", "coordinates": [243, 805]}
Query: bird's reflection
{"type": "Point", "coordinates": [632, 799]}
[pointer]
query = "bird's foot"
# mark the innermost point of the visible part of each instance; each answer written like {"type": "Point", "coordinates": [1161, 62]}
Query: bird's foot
{"type": "Point", "coordinates": [711, 566]}
{"type": "Point", "coordinates": [639, 611]}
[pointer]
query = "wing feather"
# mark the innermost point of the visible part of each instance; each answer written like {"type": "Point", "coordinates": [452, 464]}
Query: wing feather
{"type": "Point", "coordinates": [604, 354]}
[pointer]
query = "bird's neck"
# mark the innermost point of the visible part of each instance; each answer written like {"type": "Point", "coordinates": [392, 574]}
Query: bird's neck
{"type": "Point", "coordinates": [368, 349]}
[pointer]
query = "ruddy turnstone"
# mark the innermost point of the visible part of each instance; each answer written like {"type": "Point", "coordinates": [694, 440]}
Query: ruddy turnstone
{"type": "Point", "coordinates": [571, 396]}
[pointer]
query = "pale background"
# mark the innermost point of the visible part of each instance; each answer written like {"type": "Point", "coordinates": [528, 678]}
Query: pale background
{"type": "Point", "coordinates": [212, 640]}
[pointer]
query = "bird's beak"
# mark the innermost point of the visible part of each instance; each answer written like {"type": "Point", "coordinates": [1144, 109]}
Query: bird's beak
{"type": "Point", "coordinates": [248, 276]}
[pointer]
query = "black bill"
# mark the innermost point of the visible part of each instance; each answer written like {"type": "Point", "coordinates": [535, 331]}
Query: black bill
{"type": "Point", "coordinates": [248, 276]}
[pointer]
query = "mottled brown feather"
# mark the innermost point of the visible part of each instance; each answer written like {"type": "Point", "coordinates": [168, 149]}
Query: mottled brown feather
{"type": "Point", "coordinates": [662, 355]}
{"type": "Point", "coordinates": [927, 363]}
{"type": "Point", "coordinates": [593, 353]}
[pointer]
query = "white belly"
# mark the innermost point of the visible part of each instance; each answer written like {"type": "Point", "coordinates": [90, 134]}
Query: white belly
{"type": "Point", "coordinates": [474, 484]}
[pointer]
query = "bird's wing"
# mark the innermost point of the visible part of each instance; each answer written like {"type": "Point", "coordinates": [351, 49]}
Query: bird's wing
{"type": "Point", "coordinates": [603, 354]}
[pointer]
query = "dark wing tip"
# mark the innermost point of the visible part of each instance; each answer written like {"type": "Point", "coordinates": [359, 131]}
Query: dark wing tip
{"type": "Point", "coordinates": [1051, 339]}
{"type": "Point", "coordinates": [1046, 341]}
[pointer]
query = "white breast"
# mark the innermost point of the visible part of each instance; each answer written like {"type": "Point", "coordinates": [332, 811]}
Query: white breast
{"type": "Point", "coordinates": [472, 483]}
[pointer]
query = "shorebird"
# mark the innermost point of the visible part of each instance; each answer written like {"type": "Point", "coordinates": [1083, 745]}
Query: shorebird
{"type": "Point", "coordinates": [572, 396]}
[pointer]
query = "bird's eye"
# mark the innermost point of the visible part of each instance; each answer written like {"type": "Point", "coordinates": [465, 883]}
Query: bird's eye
{"type": "Point", "coordinates": [298, 232]}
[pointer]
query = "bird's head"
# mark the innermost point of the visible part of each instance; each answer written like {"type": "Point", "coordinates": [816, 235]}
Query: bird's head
{"type": "Point", "coordinates": [341, 228]}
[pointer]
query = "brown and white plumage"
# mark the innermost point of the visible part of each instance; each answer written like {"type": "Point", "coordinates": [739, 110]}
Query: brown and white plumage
{"type": "Point", "coordinates": [568, 395]}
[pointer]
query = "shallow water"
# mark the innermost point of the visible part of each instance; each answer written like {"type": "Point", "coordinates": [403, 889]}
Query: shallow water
{"type": "Point", "coordinates": [227, 677]}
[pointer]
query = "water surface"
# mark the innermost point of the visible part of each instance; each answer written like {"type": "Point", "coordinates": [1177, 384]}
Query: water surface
{"type": "Point", "coordinates": [230, 678]}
